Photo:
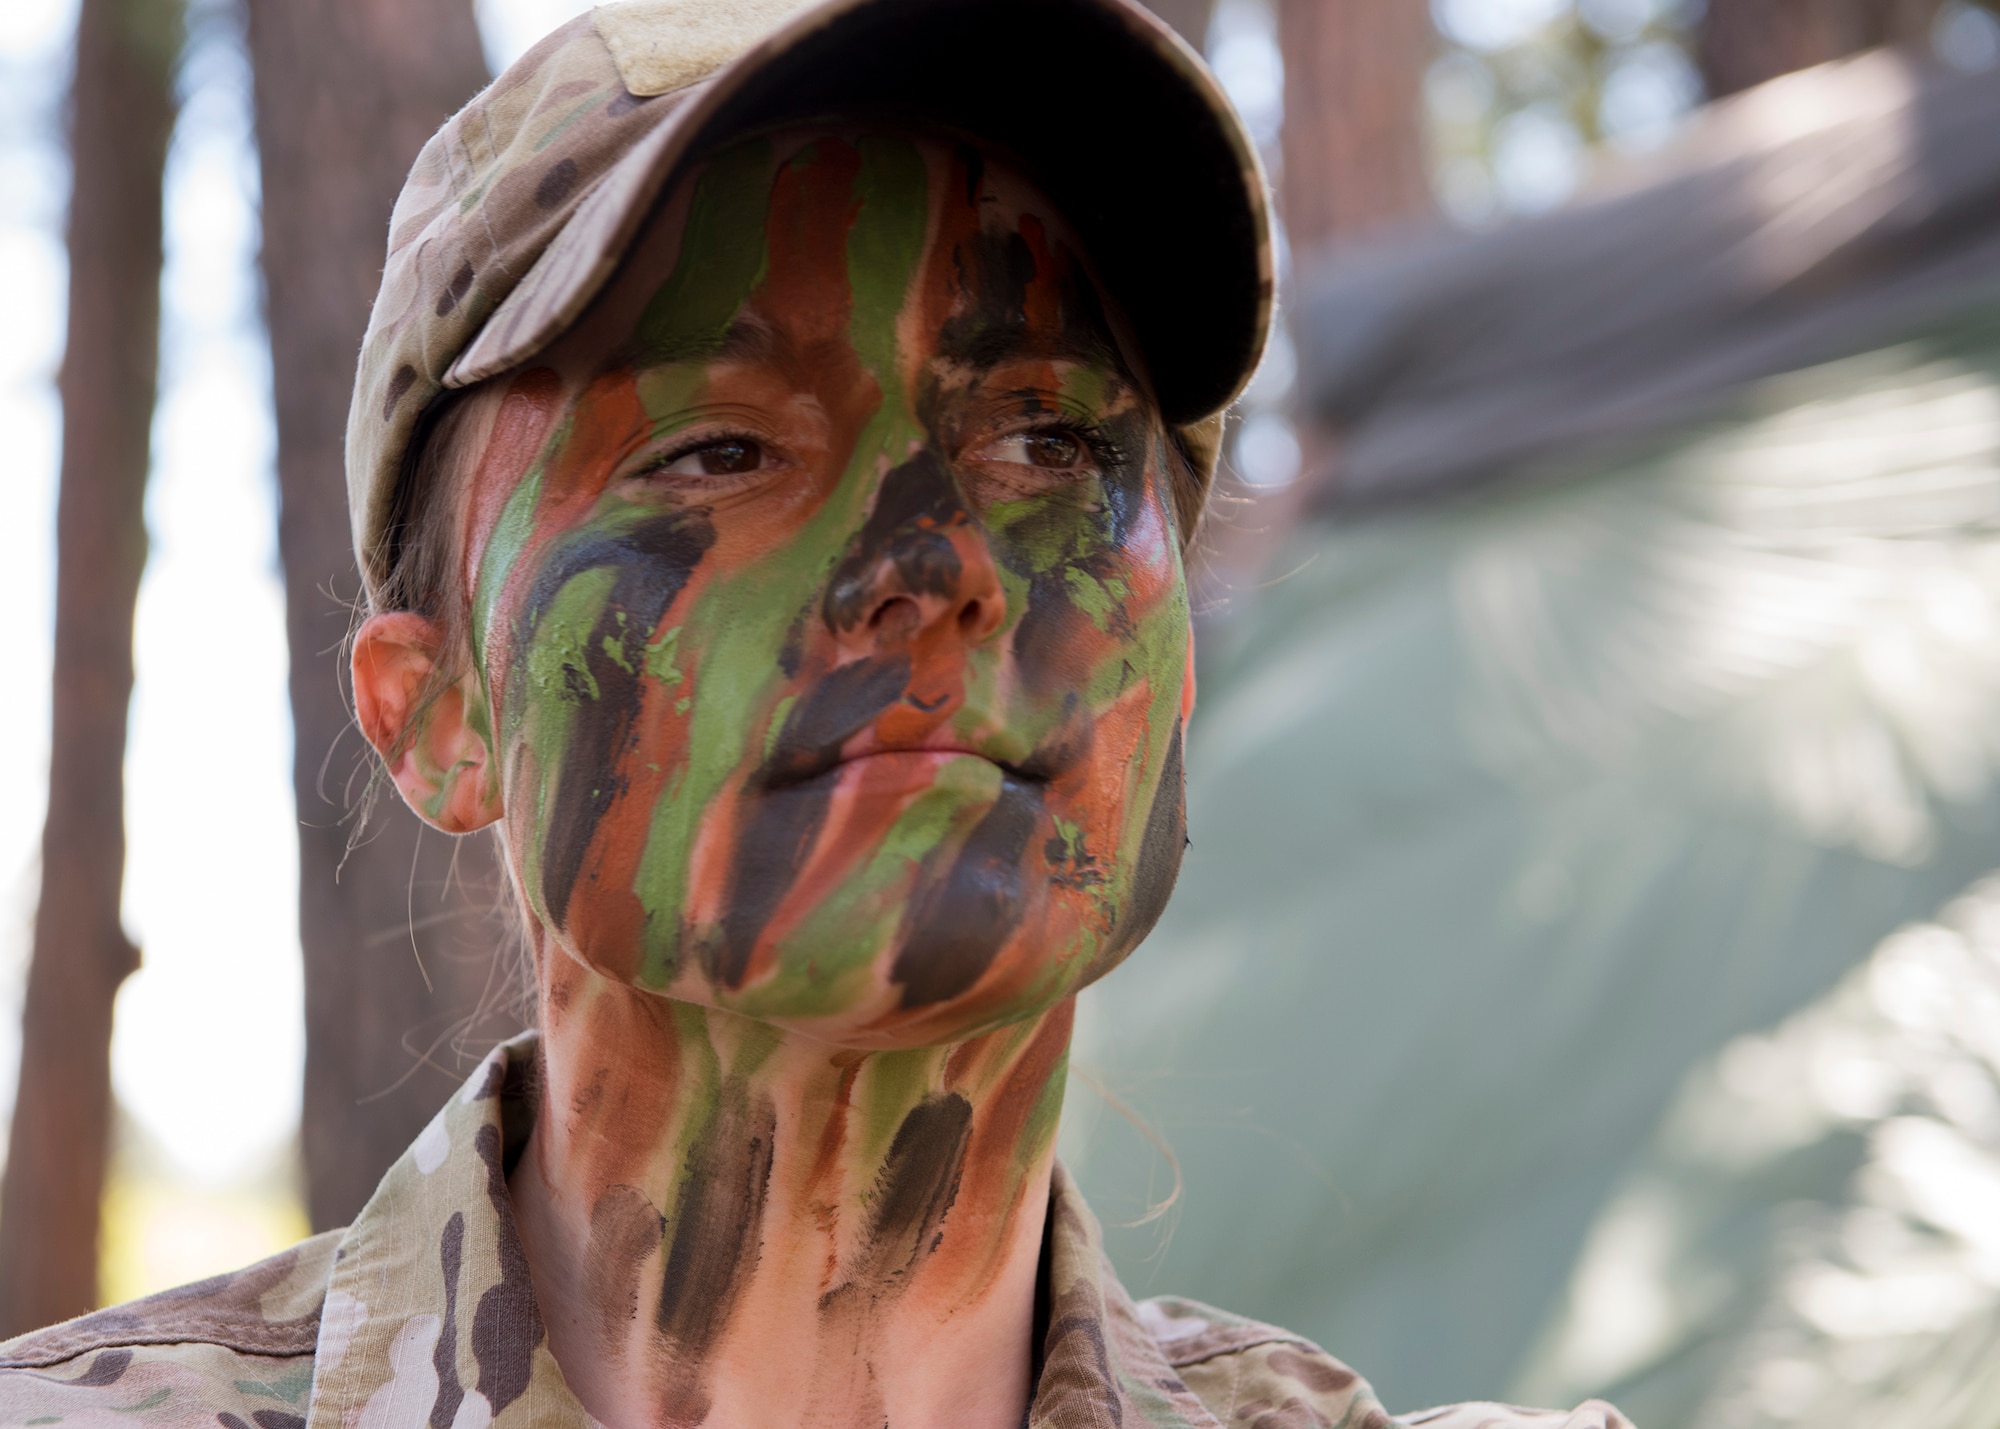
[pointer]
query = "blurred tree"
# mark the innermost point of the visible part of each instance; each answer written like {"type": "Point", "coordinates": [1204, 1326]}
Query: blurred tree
{"type": "Point", "coordinates": [346, 93]}
{"type": "Point", "coordinates": [122, 109]}
{"type": "Point", "coordinates": [1514, 112]}
{"type": "Point", "coordinates": [1353, 141]}
{"type": "Point", "coordinates": [1745, 42]}
{"type": "Point", "coordinates": [1190, 17]}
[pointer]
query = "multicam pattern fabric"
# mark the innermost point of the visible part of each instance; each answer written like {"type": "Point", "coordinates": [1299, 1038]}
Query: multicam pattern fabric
{"type": "Point", "coordinates": [537, 185]}
{"type": "Point", "coordinates": [422, 1314]}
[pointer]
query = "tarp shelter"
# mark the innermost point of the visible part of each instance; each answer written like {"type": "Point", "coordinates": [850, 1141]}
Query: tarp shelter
{"type": "Point", "coordinates": [1583, 978]}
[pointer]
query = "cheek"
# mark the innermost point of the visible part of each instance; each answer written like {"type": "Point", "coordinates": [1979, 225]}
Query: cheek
{"type": "Point", "coordinates": [590, 684]}
{"type": "Point", "coordinates": [1106, 623]}
{"type": "Point", "coordinates": [1124, 643]}
{"type": "Point", "coordinates": [1104, 642]}
{"type": "Point", "coordinates": [1150, 553]}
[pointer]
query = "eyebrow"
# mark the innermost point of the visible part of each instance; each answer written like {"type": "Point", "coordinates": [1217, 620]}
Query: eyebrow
{"type": "Point", "coordinates": [748, 340]}
{"type": "Point", "coordinates": [744, 340]}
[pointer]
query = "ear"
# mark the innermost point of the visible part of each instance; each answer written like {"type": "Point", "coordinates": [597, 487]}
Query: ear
{"type": "Point", "coordinates": [1187, 685]}
{"type": "Point", "coordinates": [440, 758]}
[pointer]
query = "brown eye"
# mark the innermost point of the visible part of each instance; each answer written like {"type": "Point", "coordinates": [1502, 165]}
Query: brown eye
{"type": "Point", "coordinates": [1047, 451]}
{"type": "Point", "coordinates": [731, 456]}
{"type": "Point", "coordinates": [1058, 451]}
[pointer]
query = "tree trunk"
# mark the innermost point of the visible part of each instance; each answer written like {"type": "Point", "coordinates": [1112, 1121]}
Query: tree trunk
{"type": "Point", "coordinates": [122, 113]}
{"type": "Point", "coordinates": [347, 91]}
{"type": "Point", "coordinates": [1190, 17]}
{"type": "Point", "coordinates": [1353, 139]}
{"type": "Point", "coordinates": [1745, 42]}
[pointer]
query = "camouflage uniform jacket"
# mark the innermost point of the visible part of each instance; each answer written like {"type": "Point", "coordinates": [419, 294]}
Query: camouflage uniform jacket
{"type": "Point", "coordinates": [421, 1315]}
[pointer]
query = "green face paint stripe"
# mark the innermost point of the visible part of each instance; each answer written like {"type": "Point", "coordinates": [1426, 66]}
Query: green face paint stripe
{"type": "Point", "coordinates": [1045, 534]}
{"type": "Point", "coordinates": [884, 247]}
{"type": "Point", "coordinates": [760, 1040]}
{"type": "Point", "coordinates": [701, 1064]}
{"type": "Point", "coordinates": [776, 727]}
{"type": "Point", "coordinates": [731, 698]}
{"type": "Point", "coordinates": [1150, 758]}
{"type": "Point", "coordinates": [558, 664]}
{"type": "Point", "coordinates": [1046, 1114]}
{"type": "Point", "coordinates": [720, 264]}
{"type": "Point", "coordinates": [479, 716]}
{"type": "Point", "coordinates": [660, 943]}
{"type": "Point", "coordinates": [896, 1081]}
{"type": "Point", "coordinates": [1097, 598]}
{"type": "Point", "coordinates": [985, 677]}
{"type": "Point", "coordinates": [528, 783]}
{"type": "Point", "coordinates": [669, 393]}
{"type": "Point", "coordinates": [660, 663]}
{"type": "Point", "coordinates": [1086, 388]}
{"type": "Point", "coordinates": [510, 537]}
{"type": "Point", "coordinates": [552, 677]}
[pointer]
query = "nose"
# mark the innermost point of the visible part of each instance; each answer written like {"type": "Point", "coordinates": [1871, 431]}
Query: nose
{"type": "Point", "coordinates": [919, 572]}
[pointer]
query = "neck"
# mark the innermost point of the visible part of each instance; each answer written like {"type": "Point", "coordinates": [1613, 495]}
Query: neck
{"type": "Point", "coordinates": [729, 1224]}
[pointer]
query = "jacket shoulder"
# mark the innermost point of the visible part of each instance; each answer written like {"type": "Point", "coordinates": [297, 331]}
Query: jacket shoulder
{"type": "Point", "coordinates": [270, 1308]}
{"type": "Point", "coordinates": [1244, 1370]}
{"type": "Point", "coordinates": [234, 1351]}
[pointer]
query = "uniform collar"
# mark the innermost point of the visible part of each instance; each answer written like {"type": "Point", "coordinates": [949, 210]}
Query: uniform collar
{"type": "Point", "coordinates": [431, 1319]}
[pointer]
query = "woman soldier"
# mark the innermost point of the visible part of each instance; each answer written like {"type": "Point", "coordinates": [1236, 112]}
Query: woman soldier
{"type": "Point", "coordinates": [771, 497]}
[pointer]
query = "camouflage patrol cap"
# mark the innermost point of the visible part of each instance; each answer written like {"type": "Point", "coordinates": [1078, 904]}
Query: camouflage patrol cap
{"type": "Point", "coordinates": [519, 209]}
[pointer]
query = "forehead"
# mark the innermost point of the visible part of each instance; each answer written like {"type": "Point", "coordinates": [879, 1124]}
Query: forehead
{"type": "Point", "coordinates": [872, 233]}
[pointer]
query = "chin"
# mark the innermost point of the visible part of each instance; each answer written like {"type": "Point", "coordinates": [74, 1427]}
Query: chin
{"type": "Point", "coordinates": [898, 994]}
{"type": "Point", "coordinates": [910, 899]}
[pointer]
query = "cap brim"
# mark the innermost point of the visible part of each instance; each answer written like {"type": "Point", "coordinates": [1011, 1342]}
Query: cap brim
{"type": "Point", "coordinates": [1117, 120]}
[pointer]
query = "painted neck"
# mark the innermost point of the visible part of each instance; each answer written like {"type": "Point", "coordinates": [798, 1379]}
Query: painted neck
{"type": "Point", "coordinates": [730, 1225]}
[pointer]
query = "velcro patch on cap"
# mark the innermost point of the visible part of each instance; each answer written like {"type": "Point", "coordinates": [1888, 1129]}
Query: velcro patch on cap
{"type": "Point", "coordinates": [663, 45]}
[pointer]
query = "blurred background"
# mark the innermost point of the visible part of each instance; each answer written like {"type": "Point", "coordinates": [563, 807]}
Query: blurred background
{"type": "Point", "coordinates": [1585, 978]}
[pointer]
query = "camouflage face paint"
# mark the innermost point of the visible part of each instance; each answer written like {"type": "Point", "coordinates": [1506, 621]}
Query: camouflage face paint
{"type": "Point", "coordinates": [835, 636]}
{"type": "Point", "coordinates": [829, 617]}
{"type": "Point", "coordinates": [702, 1192]}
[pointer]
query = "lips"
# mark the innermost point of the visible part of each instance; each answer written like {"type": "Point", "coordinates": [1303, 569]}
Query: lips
{"type": "Point", "coordinates": [840, 706]}
{"type": "Point", "coordinates": [913, 758]}
{"type": "Point", "coordinates": [820, 733]}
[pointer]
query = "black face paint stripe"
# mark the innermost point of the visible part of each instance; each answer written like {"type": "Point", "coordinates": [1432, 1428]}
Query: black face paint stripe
{"type": "Point", "coordinates": [959, 924]}
{"type": "Point", "coordinates": [789, 803]}
{"type": "Point", "coordinates": [903, 535]}
{"type": "Point", "coordinates": [1041, 635]}
{"type": "Point", "coordinates": [916, 1187]}
{"type": "Point", "coordinates": [625, 1232]}
{"type": "Point", "coordinates": [995, 270]}
{"type": "Point", "coordinates": [839, 707]}
{"type": "Point", "coordinates": [654, 561]}
{"type": "Point", "coordinates": [718, 1226]}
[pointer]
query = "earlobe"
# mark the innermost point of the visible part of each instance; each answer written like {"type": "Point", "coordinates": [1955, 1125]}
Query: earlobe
{"type": "Point", "coordinates": [439, 761]}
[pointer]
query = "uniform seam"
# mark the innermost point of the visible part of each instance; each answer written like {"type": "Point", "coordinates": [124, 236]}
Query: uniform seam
{"type": "Point", "coordinates": [1237, 1349]}
{"type": "Point", "coordinates": [273, 1347]}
